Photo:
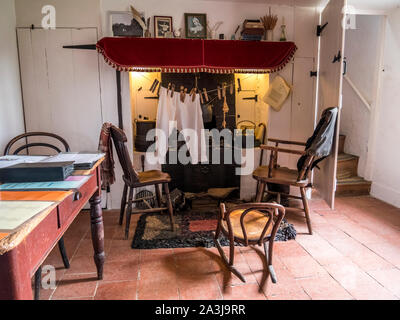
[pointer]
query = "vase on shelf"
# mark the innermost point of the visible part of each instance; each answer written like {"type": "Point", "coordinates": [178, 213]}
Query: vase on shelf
{"type": "Point", "coordinates": [269, 35]}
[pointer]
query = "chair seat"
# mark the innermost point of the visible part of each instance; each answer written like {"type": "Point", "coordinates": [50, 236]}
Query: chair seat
{"type": "Point", "coordinates": [254, 222]}
{"type": "Point", "coordinates": [280, 175]}
{"type": "Point", "coordinates": [153, 177]}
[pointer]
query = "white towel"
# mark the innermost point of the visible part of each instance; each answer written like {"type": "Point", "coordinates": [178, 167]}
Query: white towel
{"type": "Point", "coordinates": [189, 118]}
{"type": "Point", "coordinates": [166, 120]}
{"type": "Point", "coordinates": [185, 116]}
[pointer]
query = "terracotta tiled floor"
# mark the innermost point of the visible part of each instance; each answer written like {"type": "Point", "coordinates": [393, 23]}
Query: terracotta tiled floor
{"type": "Point", "coordinates": [353, 254]}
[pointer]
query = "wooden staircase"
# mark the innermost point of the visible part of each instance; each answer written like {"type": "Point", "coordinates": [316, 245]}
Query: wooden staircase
{"type": "Point", "coordinates": [348, 181]}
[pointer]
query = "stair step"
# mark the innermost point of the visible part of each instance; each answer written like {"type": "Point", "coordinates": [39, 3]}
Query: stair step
{"type": "Point", "coordinates": [347, 166]}
{"type": "Point", "coordinates": [353, 186]}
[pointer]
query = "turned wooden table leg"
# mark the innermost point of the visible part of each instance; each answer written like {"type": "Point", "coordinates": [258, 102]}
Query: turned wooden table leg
{"type": "Point", "coordinates": [96, 216]}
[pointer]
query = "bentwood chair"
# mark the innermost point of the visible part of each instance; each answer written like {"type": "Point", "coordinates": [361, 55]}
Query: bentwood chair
{"type": "Point", "coordinates": [25, 147]}
{"type": "Point", "coordinates": [249, 224]}
{"type": "Point", "coordinates": [317, 148]}
{"type": "Point", "coordinates": [134, 180]}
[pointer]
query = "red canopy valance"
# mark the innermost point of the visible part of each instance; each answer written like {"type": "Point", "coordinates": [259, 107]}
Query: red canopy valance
{"type": "Point", "coordinates": [195, 55]}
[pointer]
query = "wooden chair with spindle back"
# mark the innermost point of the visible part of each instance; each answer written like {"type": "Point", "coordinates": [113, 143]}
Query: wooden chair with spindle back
{"type": "Point", "coordinates": [134, 180]}
{"type": "Point", "coordinates": [249, 224]}
{"type": "Point", "coordinates": [317, 148]}
{"type": "Point", "coordinates": [26, 146]}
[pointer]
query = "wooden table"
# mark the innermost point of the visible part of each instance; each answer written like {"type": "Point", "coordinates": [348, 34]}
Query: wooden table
{"type": "Point", "coordinates": [24, 250]}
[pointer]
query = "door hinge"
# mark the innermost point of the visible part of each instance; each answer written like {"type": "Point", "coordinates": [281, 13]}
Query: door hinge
{"type": "Point", "coordinates": [313, 74]}
{"type": "Point", "coordinates": [320, 29]}
{"type": "Point", "coordinates": [338, 57]}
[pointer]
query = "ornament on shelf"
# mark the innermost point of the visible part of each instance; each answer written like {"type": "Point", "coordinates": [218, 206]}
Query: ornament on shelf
{"type": "Point", "coordinates": [269, 21]}
{"type": "Point", "coordinates": [212, 32]}
{"type": "Point", "coordinates": [283, 31]}
{"type": "Point", "coordinates": [178, 33]}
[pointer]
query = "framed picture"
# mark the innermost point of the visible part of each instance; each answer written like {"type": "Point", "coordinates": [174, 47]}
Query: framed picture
{"type": "Point", "coordinates": [163, 27]}
{"type": "Point", "coordinates": [196, 25]}
{"type": "Point", "coordinates": [122, 24]}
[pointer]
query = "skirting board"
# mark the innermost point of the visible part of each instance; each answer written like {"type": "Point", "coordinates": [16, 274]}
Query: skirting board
{"type": "Point", "coordinates": [386, 194]}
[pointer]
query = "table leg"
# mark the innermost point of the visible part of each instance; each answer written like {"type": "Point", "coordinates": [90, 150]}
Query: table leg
{"type": "Point", "coordinates": [96, 216]}
{"type": "Point", "coordinates": [15, 282]}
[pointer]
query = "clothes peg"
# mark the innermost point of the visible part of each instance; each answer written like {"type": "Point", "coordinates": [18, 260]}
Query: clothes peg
{"type": "Point", "coordinates": [201, 98]}
{"type": "Point", "coordinates": [205, 94]}
{"type": "Point", "coordinates": [224, 90]}
{"type": "Point", "coordinates": [194, 94]}
{"type": "Point", "coordinates": [169, 87]}
{"type": "Point", "coordinates": [172, 90]}
{"type": "Point", "coordinates": [225, 110]}
{"type": "Point", "coordinates": [219, 93]}
{"type": "Point", "coordinates": [183, 93]}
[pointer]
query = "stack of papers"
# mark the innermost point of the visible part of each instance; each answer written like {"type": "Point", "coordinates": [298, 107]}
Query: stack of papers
{"type": "Point", "coordinates": [8, 161]}
{"type": "Point", "coordinates": [82, 160]}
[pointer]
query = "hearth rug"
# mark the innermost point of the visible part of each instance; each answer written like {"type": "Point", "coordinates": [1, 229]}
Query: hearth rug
{"type": "Point", "coordinates": [194, 228]}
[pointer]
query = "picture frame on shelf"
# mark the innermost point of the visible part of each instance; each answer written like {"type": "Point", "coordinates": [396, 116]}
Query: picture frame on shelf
{"type": "Point", "coordinates": [196, 25]}
{"type": "Point", "coordinates": [163, 26]}
{"type": "Point", "coordinates": [122, 24]}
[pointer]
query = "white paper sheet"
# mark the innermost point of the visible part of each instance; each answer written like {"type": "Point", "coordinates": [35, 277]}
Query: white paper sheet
{"type": "Point", "coordinates": [14, 213]}
{"type": "Point", "coordinates": [78, 158]}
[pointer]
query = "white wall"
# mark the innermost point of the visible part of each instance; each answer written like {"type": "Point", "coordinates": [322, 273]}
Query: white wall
{"type": "Point", "coordinates": [93, 13]}
{"type": "Point", "coordinates": [69, 14]}
{"type": "Point", "coordinates": [11, 115]}
{"type": "Point", "coordinates": [363, 55]}
{"type": "Point", "coordinates": [386, 173]}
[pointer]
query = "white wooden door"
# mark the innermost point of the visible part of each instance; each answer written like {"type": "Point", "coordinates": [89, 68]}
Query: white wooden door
{"type": "Point", "coordinates": [61, 87]}
{"type": "Point", "coordinates": [330, 89]}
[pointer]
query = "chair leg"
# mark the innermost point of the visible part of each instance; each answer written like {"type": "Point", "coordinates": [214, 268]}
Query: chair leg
{"type": "Point", "coordinates": [123, 205]}
{"type": "Point", "coordinates": [38, 280]}
{"type": "Point", "coordinates": [129, 213]}
{"type": "Point", "coordinates": [225, 259]}
{"type": "Point", "coordinates": [268, 251]}
{"type": "Point", "coordinates": [158, 194]}
{"type": "Point", "coordinates": [306, 209]}
{"type": "Point", "coordinates": [260, 192]}
{"type": "Point", "coordinates": [170, 208]}
{"type": "Point", "coordinates": [64, 256]}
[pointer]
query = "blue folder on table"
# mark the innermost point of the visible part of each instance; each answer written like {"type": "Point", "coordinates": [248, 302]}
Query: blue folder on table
{"type": "Point", "coordinates": [45, 186]}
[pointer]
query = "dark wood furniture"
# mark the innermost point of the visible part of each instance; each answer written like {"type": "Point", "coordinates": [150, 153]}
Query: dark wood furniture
{"type": "Point", "coordinates": [134, 180]}
{"type": "Point", "coordinates": [317, 148]}
{"type": "Point", "coordinates": [24, 251]}
{"type": "Point", "coordinates": [25, 147]}
{"type": "Point", "coordinates": [249, 224]}
{"type": "Point", "coordinates": [273, 174]}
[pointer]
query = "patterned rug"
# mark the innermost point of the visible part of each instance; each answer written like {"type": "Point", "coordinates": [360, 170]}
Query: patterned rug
{"type": "Point", "coordinates": [192, 229]}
